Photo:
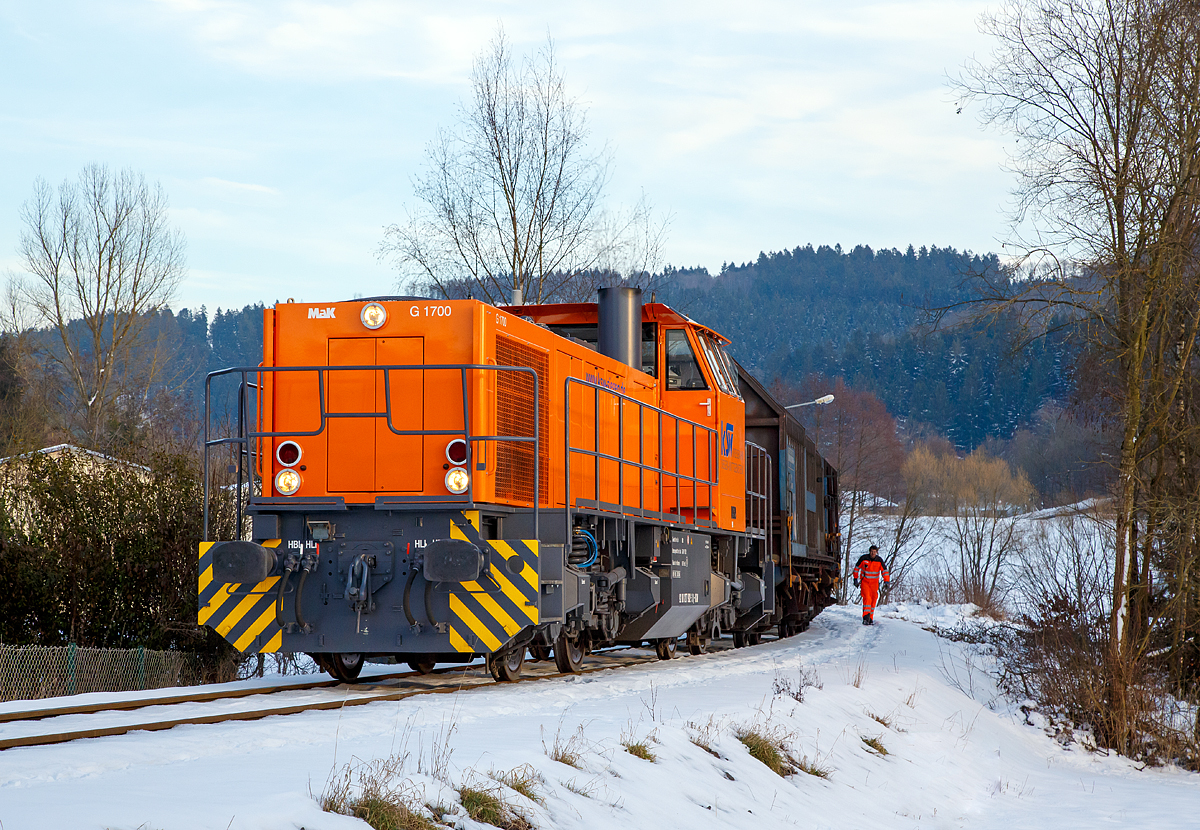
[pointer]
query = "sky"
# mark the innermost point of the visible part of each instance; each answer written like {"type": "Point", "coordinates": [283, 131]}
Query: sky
{"type": "Point", "coordinates": [287, 133]}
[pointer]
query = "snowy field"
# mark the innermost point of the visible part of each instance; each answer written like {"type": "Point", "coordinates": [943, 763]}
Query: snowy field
{"type": "Point", "coordinates": [957, 756]}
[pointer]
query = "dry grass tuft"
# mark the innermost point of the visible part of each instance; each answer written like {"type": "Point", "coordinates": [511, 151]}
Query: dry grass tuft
{"type": "Point", "coordinates": [523, 779]}
{"type": "Point", "coordinates": [567, 751]}
{"type": "Point", "coordinates": [768, 747]}
{"type": "Point", "coordinates": [855, 678]}
{"type": "Point", "coordinates": [880, 719]}
{"type": "Point", "coordinates": [876, 745]}
{"type": "Point", "coordinates": [813, 767]}
{"type": "Point", "coordinates": [587, 790]}
{"type": "Point", "coordinates": [639, 749]}
{"type": "Point", "coordinates": [377, 793]}
{"type": "Point", "coordinates": [795, 687]}
{"type": "Point", "coordinates": [487, 807]}
{"type": "Point", "coordinates": [704, 735]}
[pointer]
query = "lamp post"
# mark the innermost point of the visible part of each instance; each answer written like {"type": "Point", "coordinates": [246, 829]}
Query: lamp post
{"type": "Point", "coordinates": [821, 401]}
{"type": "Point", "coordinates": [824, 399]}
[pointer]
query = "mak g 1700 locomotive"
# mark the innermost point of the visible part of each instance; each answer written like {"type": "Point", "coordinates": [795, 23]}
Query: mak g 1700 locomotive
{"type": "Point", "coordinates": [432, 481]}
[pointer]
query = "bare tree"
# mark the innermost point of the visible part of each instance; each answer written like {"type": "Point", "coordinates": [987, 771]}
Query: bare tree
{"type": "Point", "coordinates": [512, 197]}
{"type": "Point", "coordinates": [978, 497]}
{"type": "Point", "coordinates": [101, 257]}
{"type": "Point", "coordinates": [1104, 98]}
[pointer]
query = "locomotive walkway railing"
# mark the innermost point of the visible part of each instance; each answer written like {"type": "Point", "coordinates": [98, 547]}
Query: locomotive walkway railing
{"type": "Point", "coordinates": [639, 466]}
{"type": "Point", "coordinates": [758, 493]}
{"type": "Point", "coordinates": [250, 439]}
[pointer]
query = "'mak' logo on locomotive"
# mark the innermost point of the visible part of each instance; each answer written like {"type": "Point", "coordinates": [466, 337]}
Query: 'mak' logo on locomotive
{"type": "Point", "coordinates": [321, 313]}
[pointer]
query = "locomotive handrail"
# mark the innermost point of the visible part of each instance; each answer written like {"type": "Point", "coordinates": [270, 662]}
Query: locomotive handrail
{"type": "Point", "coordinates": [760, 497]}
{"type": "Point", "coordinates": [244, 437]}
{"type": "Point", "coordinates": [597, 455]}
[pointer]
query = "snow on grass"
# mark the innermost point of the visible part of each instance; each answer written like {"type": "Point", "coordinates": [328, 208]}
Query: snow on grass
{"type": "Point", "coordinates": [952, 760]}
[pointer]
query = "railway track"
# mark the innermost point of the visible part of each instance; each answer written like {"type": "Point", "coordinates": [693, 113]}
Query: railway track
{"type": "Point", "coordinates": [53, 725]}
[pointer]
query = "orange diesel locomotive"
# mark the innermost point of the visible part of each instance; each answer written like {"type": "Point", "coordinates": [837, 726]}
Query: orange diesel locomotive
{"type": "Point", "coordinates": [431, 481]}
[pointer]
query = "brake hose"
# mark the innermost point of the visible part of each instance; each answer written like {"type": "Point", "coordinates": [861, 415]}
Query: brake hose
{"type": "Point", "coordinates": [304, 569]}
{"type": "Point", "coordinates": [287, 574]}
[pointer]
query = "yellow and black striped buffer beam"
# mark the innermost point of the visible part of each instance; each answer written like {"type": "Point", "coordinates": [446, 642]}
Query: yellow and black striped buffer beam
{"type": "Point", "coordinates": [488, 612]}
{"type": "Point", "coordinates": [242, 614]}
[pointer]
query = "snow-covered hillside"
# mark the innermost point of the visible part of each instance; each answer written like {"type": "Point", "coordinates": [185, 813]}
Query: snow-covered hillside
{"type": "Point", "coordinates": [956, 757]}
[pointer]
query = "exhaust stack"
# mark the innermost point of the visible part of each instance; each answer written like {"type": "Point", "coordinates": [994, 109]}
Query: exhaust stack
{"type": "Point", "coordinates": [620, 320]}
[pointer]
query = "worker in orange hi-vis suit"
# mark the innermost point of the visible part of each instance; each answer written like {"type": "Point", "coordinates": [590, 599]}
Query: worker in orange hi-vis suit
{"type": "Point", "coordinates": [867, 573]}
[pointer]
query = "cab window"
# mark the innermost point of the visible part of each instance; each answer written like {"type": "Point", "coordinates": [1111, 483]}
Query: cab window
{"type": "Point", "coordinates": [682, 370]}
{"type": "Point", "coordinates": [650, 349]}
{"type": "Point", "coordinates": [716, 365]}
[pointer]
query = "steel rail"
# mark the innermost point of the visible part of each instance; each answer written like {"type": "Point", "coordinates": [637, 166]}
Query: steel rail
{"type": "Point", "coordinates": [450, 679]}
{"type": "Point", "coordinates": [191, 697]}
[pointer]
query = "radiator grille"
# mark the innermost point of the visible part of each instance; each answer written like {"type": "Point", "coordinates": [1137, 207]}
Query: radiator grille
{"type": "Point", "coordinates": [514, 416]}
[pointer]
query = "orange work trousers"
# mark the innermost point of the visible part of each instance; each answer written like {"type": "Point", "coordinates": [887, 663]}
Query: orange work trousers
{"type": "Point", "coordinates": [870, 596]}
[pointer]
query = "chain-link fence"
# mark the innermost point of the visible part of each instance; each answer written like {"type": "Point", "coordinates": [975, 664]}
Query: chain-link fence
{"type": "Point", "coordinates": [30, 672]}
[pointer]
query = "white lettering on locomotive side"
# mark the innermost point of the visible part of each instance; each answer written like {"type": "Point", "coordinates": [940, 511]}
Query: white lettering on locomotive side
{"type": "Point", "coordinates": [689, 599]}
{"type": "Point", "coordinates": [321, 313]}
{"type": "Point", "coordinates": [429, 311]}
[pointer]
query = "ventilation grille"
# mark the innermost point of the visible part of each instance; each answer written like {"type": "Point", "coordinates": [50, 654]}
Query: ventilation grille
{"type": "Point", "coordinates": [514, 416]}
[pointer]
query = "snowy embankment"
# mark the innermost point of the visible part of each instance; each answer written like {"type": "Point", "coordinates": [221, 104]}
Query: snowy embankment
{"type": "Point", "coordinates": [956, 756]}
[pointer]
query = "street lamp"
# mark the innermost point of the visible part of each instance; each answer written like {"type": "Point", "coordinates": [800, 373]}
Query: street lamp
{"type": "Point", "coordinates": [824, 399]}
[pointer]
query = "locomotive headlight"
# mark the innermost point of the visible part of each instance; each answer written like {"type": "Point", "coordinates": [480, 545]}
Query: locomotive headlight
{"type": "Point", "coordinates": [287, 481]}
{"type": "Point", "coordinates": [373, 315]}
{"type": "Point", "coordinates": [457, 480]}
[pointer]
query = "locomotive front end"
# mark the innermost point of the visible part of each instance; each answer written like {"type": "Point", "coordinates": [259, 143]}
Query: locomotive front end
{"type": "Point", "coordinates": [369, 452]}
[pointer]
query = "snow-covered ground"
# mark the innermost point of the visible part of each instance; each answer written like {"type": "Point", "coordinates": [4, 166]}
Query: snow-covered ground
{"type": "Point", "coordinates": [953, 760]}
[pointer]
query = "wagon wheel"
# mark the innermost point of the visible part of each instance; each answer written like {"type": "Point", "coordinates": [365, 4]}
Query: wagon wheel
{"type": "Point", "coordinates": [666, 648]}
{"type": "Point", "coordinates": [739, 639]}
{"type": "Point", "coordinates": [421, 666]}
{"type": "Point", "coordinates": [506, 666]}
{"type": "Point", "coordinates": [568, 654]}
{"type": "Point", "coordinates": [345, 666]}
{"type": "Point", "coordinates": [539, 652]}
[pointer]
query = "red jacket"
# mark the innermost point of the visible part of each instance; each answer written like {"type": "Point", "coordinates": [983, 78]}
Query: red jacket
{"type": "Point", "coordinates": [871, 567]}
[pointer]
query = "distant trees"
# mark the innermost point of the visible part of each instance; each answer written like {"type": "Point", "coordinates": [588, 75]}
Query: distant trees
{"type": "Point", "coordinates": [858, 314]}
{"type": "Point", "coordinates": [101, 258]}
{"type": "Point", "coordinates": [513, 195]}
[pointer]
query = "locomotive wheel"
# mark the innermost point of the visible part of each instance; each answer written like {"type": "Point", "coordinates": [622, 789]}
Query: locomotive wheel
{"type": "Point", "coordinates": [696, 644]}
{"type": "Point", "coordinates": [539, 652]}
{"type": "Point", "coordinates": [568, 654]}
{"type": "Point", "coordinates": [753, 638]}
{"type": "Point", "coordinates": [666, 648]}
{"type": "Point", "coordinates": [506, 666]}
{"type": "Point", "coordinates": [421, 666]}
{"type": "Point", "coordinates": [344, 666]}
{"type": "Point", "coordinates": [739, 639]}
